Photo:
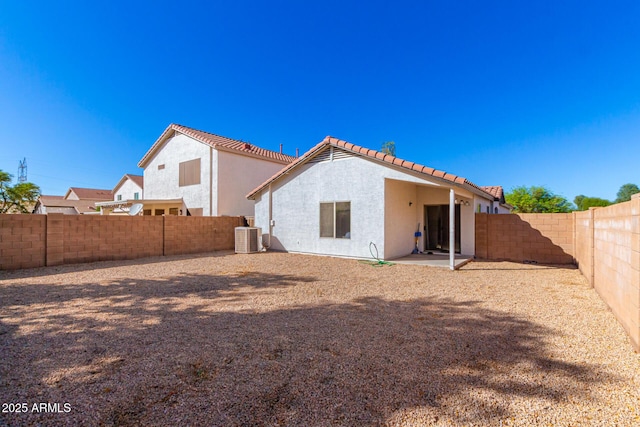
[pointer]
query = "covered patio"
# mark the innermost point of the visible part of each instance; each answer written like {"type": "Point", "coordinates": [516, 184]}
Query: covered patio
{"type": "Point", "coordinates": [439, 217]}
{"type": "Point", "coordinates": [434, 260]}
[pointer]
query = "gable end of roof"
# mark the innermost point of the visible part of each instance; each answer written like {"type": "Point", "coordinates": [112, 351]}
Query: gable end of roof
{"type": "Point", "coordinates": [374, 155]}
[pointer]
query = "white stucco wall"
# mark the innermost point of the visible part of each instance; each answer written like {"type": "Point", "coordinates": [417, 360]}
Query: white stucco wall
{"type": "Point", "coordinates": [127, 190]}
{"type": "Point", "coordinates": [501, 209]}
{"type": "Point", "coordinates": [484, 205]}
{"type": "Point", "coordinates": [380, 210]}
{"type": "Point", "coordinates": [72, 196]}
{"type": "Point", "coordinates": [399, 218]}
{"type": "Point", "coordinates": [237, 176]}
{"type": "Point", "coordinates": [467, 229]}
{"type": "Point", "coordinates": [164, 183]}
{"type": "Point", "coordinates": [296, 208]}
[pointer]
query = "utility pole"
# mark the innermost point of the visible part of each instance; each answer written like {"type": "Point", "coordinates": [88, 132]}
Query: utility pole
{"type": "Point", "coordinates": [22, 171]}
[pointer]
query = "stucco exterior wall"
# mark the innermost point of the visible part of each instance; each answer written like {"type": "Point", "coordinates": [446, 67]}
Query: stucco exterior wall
{"type": "Point", "coordinates": [127, 190]}
{"type": "Point", "coordinates": [399, 218]}
{"type": "Point", "coordinates": [237, 175]}
{"type": "Point", "coordinates": [296, 208]}
{"type": "Point", "coordinates": [164, 183]}
{"type": "Point", "coordinates": [72, 196]}
{"type": "Point", "coordinates": [467, 229]}
{"type": "Point", "coordinates": [380, 211]}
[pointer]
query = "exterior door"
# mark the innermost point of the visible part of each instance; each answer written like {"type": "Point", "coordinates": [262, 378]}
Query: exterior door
{"type": "Point", "coordinates": [436, 228]}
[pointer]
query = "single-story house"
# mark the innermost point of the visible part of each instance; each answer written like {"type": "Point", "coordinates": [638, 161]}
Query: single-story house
{"type": "Point", "coordinates": [208, 174]}
{"type": "Point", "coordinates": [500, 206]}
{"type": "Point", "coordinates": [339, 198]}
{"type": "Point", "coordinates": [79, 193]}
{"type": "Point", "coordinates": [76, 201]}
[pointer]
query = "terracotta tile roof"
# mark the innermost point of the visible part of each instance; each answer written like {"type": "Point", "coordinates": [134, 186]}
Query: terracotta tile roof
{"type": "Point", "coordinates": [495, 190]}
{"type": "Point", "coordinates": [90, 193]}
{"type": "Point", "coordinates": [80, 206]}
{"type": "Point", "coordinates": [216, 141]}
{"type": "Point", "coordinates": [373, 154]}
{"type": "Point", "coordinates": [138, 179]}
{"type": "Point", "coordinates": [44, 199]}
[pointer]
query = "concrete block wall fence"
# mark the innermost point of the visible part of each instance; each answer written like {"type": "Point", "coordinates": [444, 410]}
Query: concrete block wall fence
{"type": "Point", "coordinates": [544, 238]}
{"type": "Point", "coordinates": [609, 239]}
{"type": "Point", "coordinates": [22, 241]}
{"type": "Point", "coordinates": [28, 241]}
{"type": "Point", "coordinates": [603, 242]}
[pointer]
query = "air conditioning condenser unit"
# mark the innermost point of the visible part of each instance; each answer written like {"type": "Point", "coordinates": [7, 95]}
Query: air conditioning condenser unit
{"type": "Point", "coordinates": [248, 240]}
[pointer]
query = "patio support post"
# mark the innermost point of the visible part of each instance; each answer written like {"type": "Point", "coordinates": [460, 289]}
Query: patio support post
{"type": "Point", "coordinates": [452, 229]}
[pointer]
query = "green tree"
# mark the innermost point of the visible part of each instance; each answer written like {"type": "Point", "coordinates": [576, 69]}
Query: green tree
{"type": "Point", "coordinates": [16, 198]}
{"type": "Point", "coordinates": [583, 202]}
{"type": "Point", "coordinates": [389, 147]}
{"type": "Point", "coordinates": [626, 191]}
{"type": "Point", "coordinates": [536, 200]}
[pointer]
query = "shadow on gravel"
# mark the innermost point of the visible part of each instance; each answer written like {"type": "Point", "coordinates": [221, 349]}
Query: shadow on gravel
{"type": "Point", "coordinates": [480, 264]}
{"type": "Point", "coordinates": [88, 266]}
{"type": "Point", "coordinates": [196, 362]}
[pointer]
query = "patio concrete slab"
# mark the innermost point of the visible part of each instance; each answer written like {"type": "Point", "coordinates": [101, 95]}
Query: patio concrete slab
{"type": "Point", "coordinates": [433, 260]}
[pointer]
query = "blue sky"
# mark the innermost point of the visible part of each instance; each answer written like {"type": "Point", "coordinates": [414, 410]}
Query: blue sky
{"type": "Point", "coordinates": [501, 92]}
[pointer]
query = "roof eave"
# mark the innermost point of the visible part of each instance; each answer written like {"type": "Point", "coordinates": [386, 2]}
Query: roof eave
{"type": "Point", "coordinates": [299, 161]}
{"type": "Point", "coordinates": [364, 152]}
{"type": "Point", "coordinates": [155, 147]}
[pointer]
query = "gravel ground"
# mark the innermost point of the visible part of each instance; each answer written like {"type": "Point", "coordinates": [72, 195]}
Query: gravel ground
{"type": "Point", "coordinates": [282, 339]}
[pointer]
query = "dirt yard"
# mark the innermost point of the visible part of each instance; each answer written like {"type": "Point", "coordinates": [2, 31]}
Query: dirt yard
{"type": "Point", "coordinates": [280, 339]}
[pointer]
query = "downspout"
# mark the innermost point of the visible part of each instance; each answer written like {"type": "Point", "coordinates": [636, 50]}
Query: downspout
{"type": "Point", "coordinates": [452, 229]}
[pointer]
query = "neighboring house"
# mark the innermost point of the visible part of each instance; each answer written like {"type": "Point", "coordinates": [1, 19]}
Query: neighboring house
{"type": "Point", "coordinates": [205, 173]}
{"type": "Point", "coordinates": [76, 201]}
{"type": "Point", "coordinates": [129, 190]}
{"type": "Point", "coordinates": [78, 193]}
{"type": "Point", "coordinates": [499, 206]}
{"type": "Point", "coordinates": [338, 198]}
{"type": "Point", "coordinates": [129, 187]}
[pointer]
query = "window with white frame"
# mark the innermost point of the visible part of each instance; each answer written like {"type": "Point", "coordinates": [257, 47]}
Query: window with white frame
{"type": "Point", "coordinates": [335, 220]}
{"type": "Point", "coordinates": [136, 196]}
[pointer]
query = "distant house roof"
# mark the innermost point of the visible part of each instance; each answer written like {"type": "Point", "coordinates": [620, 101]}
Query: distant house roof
{"type": "Point", "coordinates": [50, 199]}
{"type": "Point", "coordinates": [137, 179]}
{"type": "Point", "coordinates": [215, 141]}
{"type": "Point", "coordinates": [376, 155]}
{"type": "Point", "coordinates": [89, 193]}
{"type": "Point", "coordinates": [496, 191]}
{"type": "Point", "coordinates": [58, 204]}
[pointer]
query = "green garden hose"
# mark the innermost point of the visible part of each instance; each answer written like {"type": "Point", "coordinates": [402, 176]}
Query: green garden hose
{"type": "Point", "coordinates": [378, 262]}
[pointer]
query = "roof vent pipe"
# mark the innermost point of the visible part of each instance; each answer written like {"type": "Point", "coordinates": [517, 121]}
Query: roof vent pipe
{"type": "Point", "coordinates": [297, 152]}
{"type": "Point", "coordinates": [280, 148]}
